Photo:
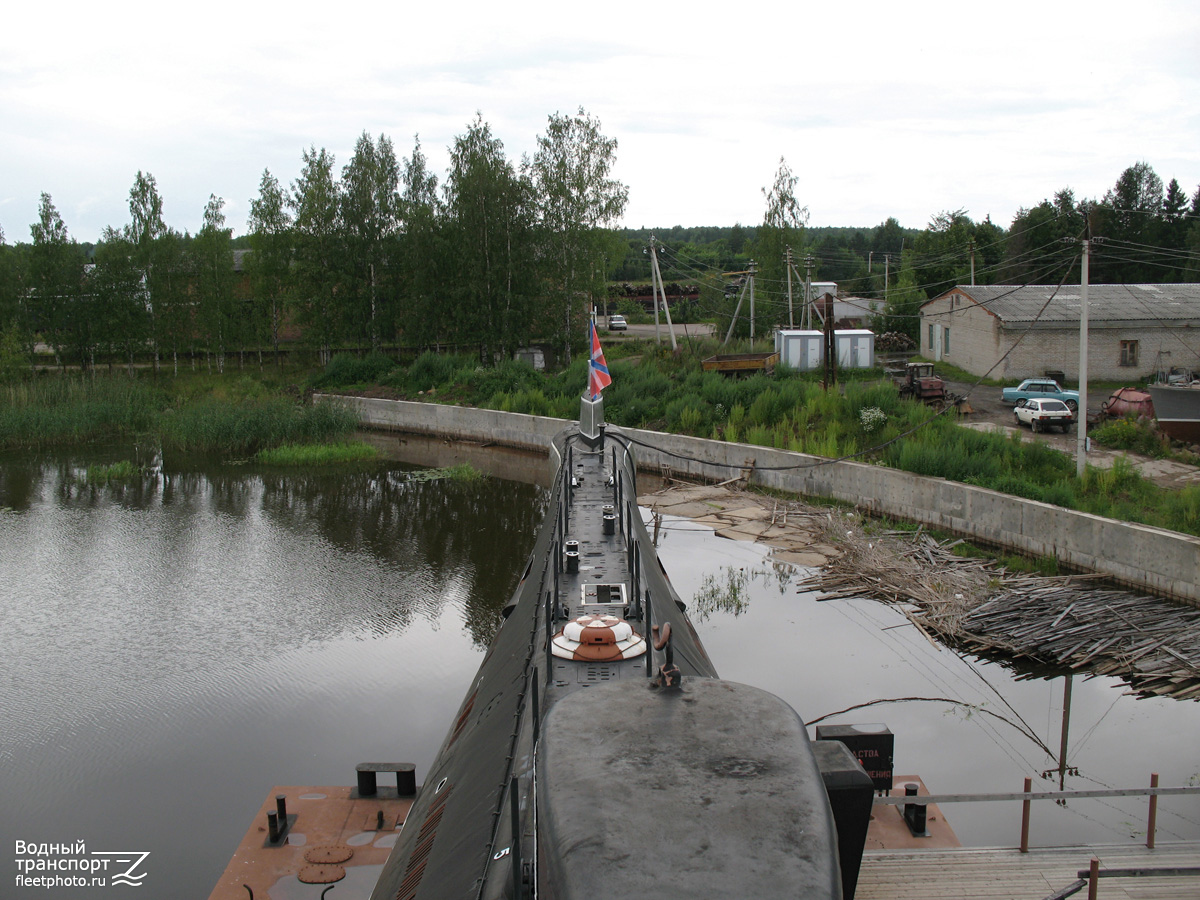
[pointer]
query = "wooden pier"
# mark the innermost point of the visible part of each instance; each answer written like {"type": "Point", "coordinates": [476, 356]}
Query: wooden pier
{"type": "Point", "coordinates": [1001, 874]}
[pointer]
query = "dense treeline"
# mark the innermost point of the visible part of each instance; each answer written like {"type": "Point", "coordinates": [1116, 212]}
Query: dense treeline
{"type": "Point", "coordinates": [1150, 234]}
{"type": "Point", "coordinates": [367, 257]}
{"type": "Point", "coordinates": [504, 253]}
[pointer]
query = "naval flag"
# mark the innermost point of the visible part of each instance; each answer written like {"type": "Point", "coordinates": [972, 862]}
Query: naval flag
{"type": "Point", "coordinates": [598, 377]}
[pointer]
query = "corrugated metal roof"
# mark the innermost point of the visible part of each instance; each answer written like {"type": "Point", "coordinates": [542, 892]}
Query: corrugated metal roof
{"type": "Point", "coordinates": [1013, 304]}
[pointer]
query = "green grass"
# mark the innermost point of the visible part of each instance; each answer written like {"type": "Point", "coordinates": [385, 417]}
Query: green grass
{"type": "Point", "coordinates": [243, 429]}
{"type": "Point", "coordinates": [116, 473]}
{"type": "Point", "coordinates": [316, 454]}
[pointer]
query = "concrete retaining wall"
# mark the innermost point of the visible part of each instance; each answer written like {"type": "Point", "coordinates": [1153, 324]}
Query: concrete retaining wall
{"type": "Point", "coordinates": [1152, 559]}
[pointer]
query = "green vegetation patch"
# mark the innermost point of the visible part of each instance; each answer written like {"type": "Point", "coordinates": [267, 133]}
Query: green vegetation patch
{"type": "Point", "coordinates": [243, 429]}
{"type": "Point", "coordinates": [56, 410]}
{"type": "Point", "coordinates": [236, 416]}
{"type": "Point", "coordinates": [120, 472]}
{"type": "Point", "coordinates": [316, 454]}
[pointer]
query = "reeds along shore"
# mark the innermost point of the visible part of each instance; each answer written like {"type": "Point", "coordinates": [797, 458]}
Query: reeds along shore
{"type": "Point", "coordinates": [66, 411]}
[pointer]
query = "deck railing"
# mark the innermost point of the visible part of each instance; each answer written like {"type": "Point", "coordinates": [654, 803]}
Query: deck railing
{"type": "Point", "coordinates": [1028, 795]}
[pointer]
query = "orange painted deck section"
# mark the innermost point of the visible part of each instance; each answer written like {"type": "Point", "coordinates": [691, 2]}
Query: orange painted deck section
{"type": "Point", "coordinates": [320, 817]}
{"type": "Point", "coordinates": [888, 831]}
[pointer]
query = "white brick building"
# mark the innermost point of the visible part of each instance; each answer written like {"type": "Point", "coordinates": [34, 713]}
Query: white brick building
{"type": "Point", "coordinates": [1017, 331]}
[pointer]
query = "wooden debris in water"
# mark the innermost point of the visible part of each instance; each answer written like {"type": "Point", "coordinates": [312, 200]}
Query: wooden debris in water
{"type": "Point", "coordinates": [1152, 643]}
{"type": "Point", "coordinates": [1064, 622]}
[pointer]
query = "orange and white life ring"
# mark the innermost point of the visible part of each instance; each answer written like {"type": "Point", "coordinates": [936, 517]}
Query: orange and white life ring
{"type": "Point", "coordinates": [594, 638]}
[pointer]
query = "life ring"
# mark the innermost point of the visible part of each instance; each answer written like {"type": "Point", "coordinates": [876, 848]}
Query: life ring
{"type": "Point", "coordinates": [598, 638]}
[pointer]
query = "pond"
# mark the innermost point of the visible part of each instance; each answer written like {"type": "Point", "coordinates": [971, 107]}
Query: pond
{"type": "Point", "coordinates": [174, 647]}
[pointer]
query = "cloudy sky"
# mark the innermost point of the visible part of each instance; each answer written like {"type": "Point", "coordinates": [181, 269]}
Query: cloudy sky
{"type": "Point", "coordinates": [881, 109]}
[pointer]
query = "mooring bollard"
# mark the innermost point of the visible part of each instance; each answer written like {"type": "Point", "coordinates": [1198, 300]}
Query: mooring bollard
{"type": "Point", "coordinates": [281, 809]}
{"type": "Point", "coordinates": [273, 827]}
{"type": "Point", "coordinates": [914, 813]}
{"type": "Point", "coordinates": [406, 779]}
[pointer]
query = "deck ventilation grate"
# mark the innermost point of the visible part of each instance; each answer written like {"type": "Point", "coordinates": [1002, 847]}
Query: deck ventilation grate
{"type": "Point", "coordinates": [596, 673]}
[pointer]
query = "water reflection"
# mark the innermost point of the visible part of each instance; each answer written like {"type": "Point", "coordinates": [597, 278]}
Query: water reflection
{"type": "Point", "coordinates": [174, 587]}
{"type": "Point", "coordinates": [228, 628]}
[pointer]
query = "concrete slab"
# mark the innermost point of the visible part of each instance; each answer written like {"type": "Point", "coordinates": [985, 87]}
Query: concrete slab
{"type": "Point", "coordinates": [799, 558]}
{"type": "Point", "coordinates": [692, 509]}
{"type": "Point", "coordinates": [745, 512]}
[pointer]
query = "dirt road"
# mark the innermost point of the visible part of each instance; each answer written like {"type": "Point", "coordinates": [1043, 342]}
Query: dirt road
{"type": "Point", "coordinates": [990, 413]}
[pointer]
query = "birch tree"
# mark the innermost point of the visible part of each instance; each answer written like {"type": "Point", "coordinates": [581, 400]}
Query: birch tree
{"type": "Point", "coordinates": [269, 263]}
{"type": "Point", "coordinates": [56, 267]}
{"type": "Point", "coordinates": [314, 202]}
{"type": "Point", "coordinates": [146, 228]}
{"type": "Point", "coordinates": [423, 317]}
{"type": "Point", "coordinates": [370, 217]}
{"type": "Point", "coordinates": [578, 196]}
{"type": "Point", "coordinates": [489, 230]}
{"type": "Point", "coordinates": [212, 252]}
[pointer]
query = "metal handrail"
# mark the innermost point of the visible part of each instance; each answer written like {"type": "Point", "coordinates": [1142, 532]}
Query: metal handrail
{"type": "Point", "coordinates": [1028, 795]}
{"type": "Point", "coordinates": [1036, 795]}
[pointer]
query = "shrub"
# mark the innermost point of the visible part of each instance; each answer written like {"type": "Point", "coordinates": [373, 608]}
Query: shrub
{"type": "Point", "coordinates": [1129, 434]}
{"type": "Point", "coordinates": [346, 370]}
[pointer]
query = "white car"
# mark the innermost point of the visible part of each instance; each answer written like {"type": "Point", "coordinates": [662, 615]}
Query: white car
{"type": "Point", "coordinates": [617, 323]}
{"type": "Point", "coordinates": [1041, 415]}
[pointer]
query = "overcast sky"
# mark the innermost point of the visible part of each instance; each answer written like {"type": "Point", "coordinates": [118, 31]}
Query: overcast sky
{"type": "Point", "coordinates": [881, 109]}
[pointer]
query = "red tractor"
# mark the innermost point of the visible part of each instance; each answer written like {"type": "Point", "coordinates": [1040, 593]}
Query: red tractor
{"type": "Point", "coordinates": [921, 384]}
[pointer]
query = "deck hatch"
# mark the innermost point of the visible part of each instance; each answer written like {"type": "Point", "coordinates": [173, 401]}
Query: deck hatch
{"type": "Point", "coordinates": [611, 595]}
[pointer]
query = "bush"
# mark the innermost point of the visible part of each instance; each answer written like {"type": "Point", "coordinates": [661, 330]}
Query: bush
{"type": "Point", "coordinates": [430, 370]}
{"type": "Point", "coordinates": [346, 370]}
{"type": "Point", "coordinates": [1131, 435]}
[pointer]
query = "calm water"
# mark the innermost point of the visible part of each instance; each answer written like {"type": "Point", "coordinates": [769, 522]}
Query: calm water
{"type": "Point", "coordinates": [173, 649]}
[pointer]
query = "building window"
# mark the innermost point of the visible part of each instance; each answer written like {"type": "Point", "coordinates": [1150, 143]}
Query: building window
{"type": "Point", "coordinates": [1129, 353]}
{"type": "Point", "coordinates": [930, 337]}
{"type": "Point", "coordinates": [946, 340]}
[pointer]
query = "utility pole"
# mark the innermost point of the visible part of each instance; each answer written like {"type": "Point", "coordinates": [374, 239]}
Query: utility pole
{"type": "Point", "coordinates": [808, 298]}
{"type": "Point", "coordinates": [752, 303]}
{"type": "Point", "coordinates": [1081, 425]}
{"type": "Point", "coordinates": [971, 247]}
{"type": "Point", "coordinates": [657, 286]}
{"type": "Point", "coordinates": [1081, 413]}
{"type": "Point", "coordinates": [887, 258]}
{"type": "Point", "coordinates": [654, 290]}
{"type": "Point", "coordinates": [788, 265]}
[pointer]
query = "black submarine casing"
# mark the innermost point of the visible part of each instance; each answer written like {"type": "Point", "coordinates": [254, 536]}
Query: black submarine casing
{"type": "Point", "coordinates": [569, 778]}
